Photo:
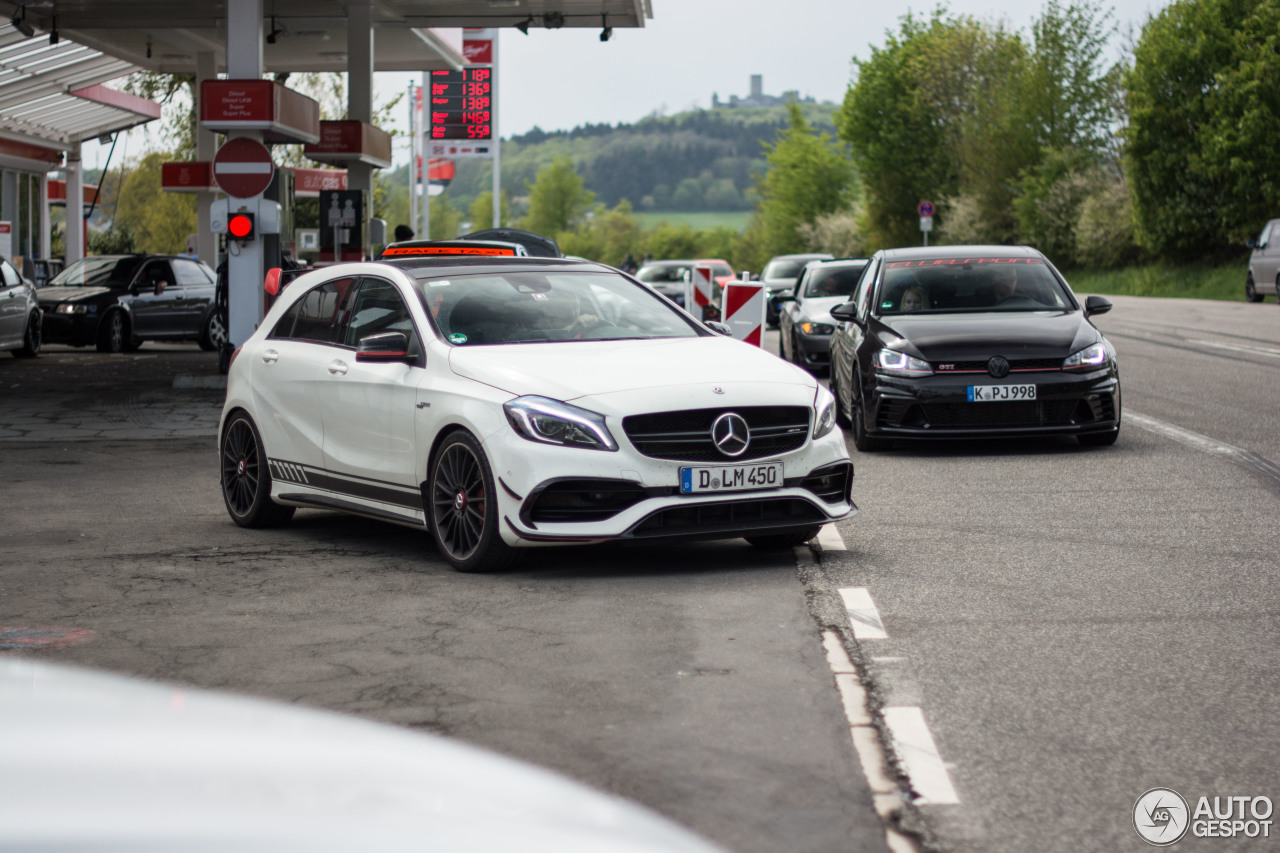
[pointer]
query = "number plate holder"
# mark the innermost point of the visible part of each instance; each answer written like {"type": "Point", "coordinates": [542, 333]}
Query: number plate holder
{"type": "Point", "coordinates": [730, 478]}
{"type": "Point", "coordinates": [1000, 393]}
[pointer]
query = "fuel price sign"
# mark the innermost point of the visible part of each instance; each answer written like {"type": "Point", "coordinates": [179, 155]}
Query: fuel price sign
{"type": "Point", "coordinates": [461, 104]}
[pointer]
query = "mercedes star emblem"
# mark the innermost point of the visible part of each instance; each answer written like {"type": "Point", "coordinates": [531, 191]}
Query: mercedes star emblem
{"type": "Point", "coordinates": [731, 434]}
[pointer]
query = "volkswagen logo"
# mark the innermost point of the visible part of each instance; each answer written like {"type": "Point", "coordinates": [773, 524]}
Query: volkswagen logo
{"type": "Point", "coordinates": [998, 367]}
{"type": "Point", "coordinates": [730, 434]}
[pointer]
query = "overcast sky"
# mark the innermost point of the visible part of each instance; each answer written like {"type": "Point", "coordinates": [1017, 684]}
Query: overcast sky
{"type": "Point", "coordinates": [690, 49]}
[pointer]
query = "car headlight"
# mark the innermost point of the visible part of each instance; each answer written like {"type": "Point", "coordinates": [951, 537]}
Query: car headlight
{"type": "Point", "coordinates": [824, 411]}
{"type": "Point", "coordinates": [897, 363]}
{"type": "Point", "coordinates": [1089, 357]}
{"type": "Point", "coordinates": [72, 308]}
{"type": "Point", "coordinates": [551, 422]}
{"type": "Point", "coordinates": [816, 328]}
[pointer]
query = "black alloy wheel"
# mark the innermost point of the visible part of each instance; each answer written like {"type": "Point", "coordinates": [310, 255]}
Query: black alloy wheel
{"type": "Point", "coordinates": [246, 480]}
{"type": "Point", "coordinates": [112, 334]}
{"type": "Point", "coordinates": [1251, 291]}
{"type": "Point", "coordinates": [32, 339]}
{"type": "Point", "coordinates": [790, 539]}
{"type": "Point", "coordinates": [463, 507]}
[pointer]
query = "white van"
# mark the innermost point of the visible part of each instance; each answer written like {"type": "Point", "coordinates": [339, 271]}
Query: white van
{"type": "Point", "coordinates": [1264, 263]}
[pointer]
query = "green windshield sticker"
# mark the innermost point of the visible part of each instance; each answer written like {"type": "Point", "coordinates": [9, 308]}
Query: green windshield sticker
{"type": "Point", "coordinates": [885, 306]}
{"type": "Point", "coordinates": [458, 338]}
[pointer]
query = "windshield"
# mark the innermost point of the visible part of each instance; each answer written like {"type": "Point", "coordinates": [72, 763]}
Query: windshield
{"type": "Point", "coordinates": [971, 284]}
{"type": "Point", "coordinates": [523, 307]}
{"type": "Point", "coordinates": [662, 273]}
{"type": "Point", "coordinates": [833, 281]}
{"type": "Point", "coordinates": [785, 268]}
{"type": "Point", "coordinates": [100, 271]}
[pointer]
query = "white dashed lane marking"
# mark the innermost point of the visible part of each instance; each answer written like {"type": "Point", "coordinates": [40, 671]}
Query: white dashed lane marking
{"type": "Point", "coordinates": [829, 538]}
{"type": "Point", "coordinates": [914, 746]}
{"type": "Point", "coordinates": [864, 619]}
{"type": "Point", "coordinates": [912, 742]}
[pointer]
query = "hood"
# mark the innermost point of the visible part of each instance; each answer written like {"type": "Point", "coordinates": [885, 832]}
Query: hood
{"type": "Point", "coordinates": [969, 337]}
{"type": "Point", "coordinates": [100, 762]}
{"type": "Point", "coordinates": [566, 371]}
{"type": "Point", "coordinates": [59, 293]}
{"type": "Point", "coordinates": [819, 310]}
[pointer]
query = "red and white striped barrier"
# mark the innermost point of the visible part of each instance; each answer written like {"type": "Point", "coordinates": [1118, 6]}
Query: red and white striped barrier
{"type": "Point", "coordinates": [699, 292]}
{"type": "Point", "coordinates": [743, 310]}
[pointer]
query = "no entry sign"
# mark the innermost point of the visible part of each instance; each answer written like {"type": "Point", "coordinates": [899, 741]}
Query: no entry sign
{"type": "Point", "coordinates": [242, 168]}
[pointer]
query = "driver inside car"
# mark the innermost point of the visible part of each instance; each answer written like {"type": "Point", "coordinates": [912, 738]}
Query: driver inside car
{"type": "Point", "coordinates": [1005, 279]}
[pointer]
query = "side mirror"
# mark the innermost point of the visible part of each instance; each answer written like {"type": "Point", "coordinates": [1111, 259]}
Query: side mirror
{"type": "Point", "coordinates": [847, 312]}
{"type": "Point", "coordinates": [1251, 243]}
{"type": "Point", "coordinates": [383, 348]}
{"type": "Point", "coordinates": [719, 328]}
{"type": "Point", "coordinates": [1092, 305]}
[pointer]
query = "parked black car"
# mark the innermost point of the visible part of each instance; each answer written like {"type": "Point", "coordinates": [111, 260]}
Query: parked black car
{"type": "Point", "coordinates": [118, 301]}
{"type": "Point", "coordinates": [971, 342]}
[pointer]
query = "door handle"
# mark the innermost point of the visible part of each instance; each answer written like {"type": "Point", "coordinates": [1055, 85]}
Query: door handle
{"type": "Point", "coordinates": [338, 367]}
{"type": "Point", "coordinates": [270, 356]}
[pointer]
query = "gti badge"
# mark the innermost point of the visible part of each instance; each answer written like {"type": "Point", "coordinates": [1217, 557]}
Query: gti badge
{"type": "Point", "coordinates": [730, 434]}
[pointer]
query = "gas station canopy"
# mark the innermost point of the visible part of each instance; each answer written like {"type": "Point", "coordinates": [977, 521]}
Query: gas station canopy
{"type": "Point", "coordinates": [305, 35]}
{"type": "Point", "coordinates": [51, 94]}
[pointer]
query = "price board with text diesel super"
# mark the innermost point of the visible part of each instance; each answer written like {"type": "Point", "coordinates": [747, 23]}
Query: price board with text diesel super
{"type": "Point", "coordinates": [462, 104]}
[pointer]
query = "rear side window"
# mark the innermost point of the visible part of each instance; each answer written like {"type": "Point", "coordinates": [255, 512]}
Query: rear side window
{"type": "Point", "coordinates": [11, 277]}
{"type": "Point", "coordinates": [189, 273]}
{"type": "Point", "coordinates": [318, 316]}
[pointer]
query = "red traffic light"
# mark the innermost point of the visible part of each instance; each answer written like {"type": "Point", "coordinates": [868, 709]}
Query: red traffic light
{"type": "Point", "coordinates": [240, 226]}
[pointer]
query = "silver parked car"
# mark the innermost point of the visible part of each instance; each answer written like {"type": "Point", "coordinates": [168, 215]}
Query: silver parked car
{"type": "Point", "coordinates": [20, 316]}
{"type": "Point", "coordinates": [1264, 264]}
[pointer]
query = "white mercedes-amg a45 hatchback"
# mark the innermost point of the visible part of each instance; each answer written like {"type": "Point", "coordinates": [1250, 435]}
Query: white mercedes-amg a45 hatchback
{"type": "Point", "coordinates": [509, 402]}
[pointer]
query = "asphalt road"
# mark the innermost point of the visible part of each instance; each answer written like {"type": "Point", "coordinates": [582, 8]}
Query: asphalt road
{"type": "Point", "coordinates": [1074, 626]}
{"type": "Point", "coordinates": [1081, 625]}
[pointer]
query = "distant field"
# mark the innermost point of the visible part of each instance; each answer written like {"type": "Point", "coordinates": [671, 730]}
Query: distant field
{"type": "Point", "coordinates": [1191, 281]}
{"type": "Point", "coordinates": [737, 219]}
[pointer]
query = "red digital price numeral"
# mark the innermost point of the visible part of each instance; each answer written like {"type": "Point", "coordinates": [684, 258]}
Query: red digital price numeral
{"type": "Point", "coordinates": [478, 131]}
{"type": "Point", "coordinates": [471, 89]}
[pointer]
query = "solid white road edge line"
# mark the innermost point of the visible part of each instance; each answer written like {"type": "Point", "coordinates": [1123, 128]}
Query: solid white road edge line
{"type": "Point", "coordinates": [914, 746]}
{"type": "Point", "coordinates": [864, 618]}
{"type": "Point", "coordinates": [1186, 436]}
{"type": "Point", "coordinates": [1237, 348]}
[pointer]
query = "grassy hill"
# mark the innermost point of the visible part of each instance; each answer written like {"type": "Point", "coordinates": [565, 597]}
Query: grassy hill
{"type": "Point", "coordinates": [696, 161]}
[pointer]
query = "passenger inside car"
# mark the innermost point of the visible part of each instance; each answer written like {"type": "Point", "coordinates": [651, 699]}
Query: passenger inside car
{"type": "Point", "coordinates": [913, 299]}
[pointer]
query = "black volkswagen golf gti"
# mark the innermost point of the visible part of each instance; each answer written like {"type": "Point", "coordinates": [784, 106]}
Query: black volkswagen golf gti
{"type": "Point", "coordinates": [971, 342]}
